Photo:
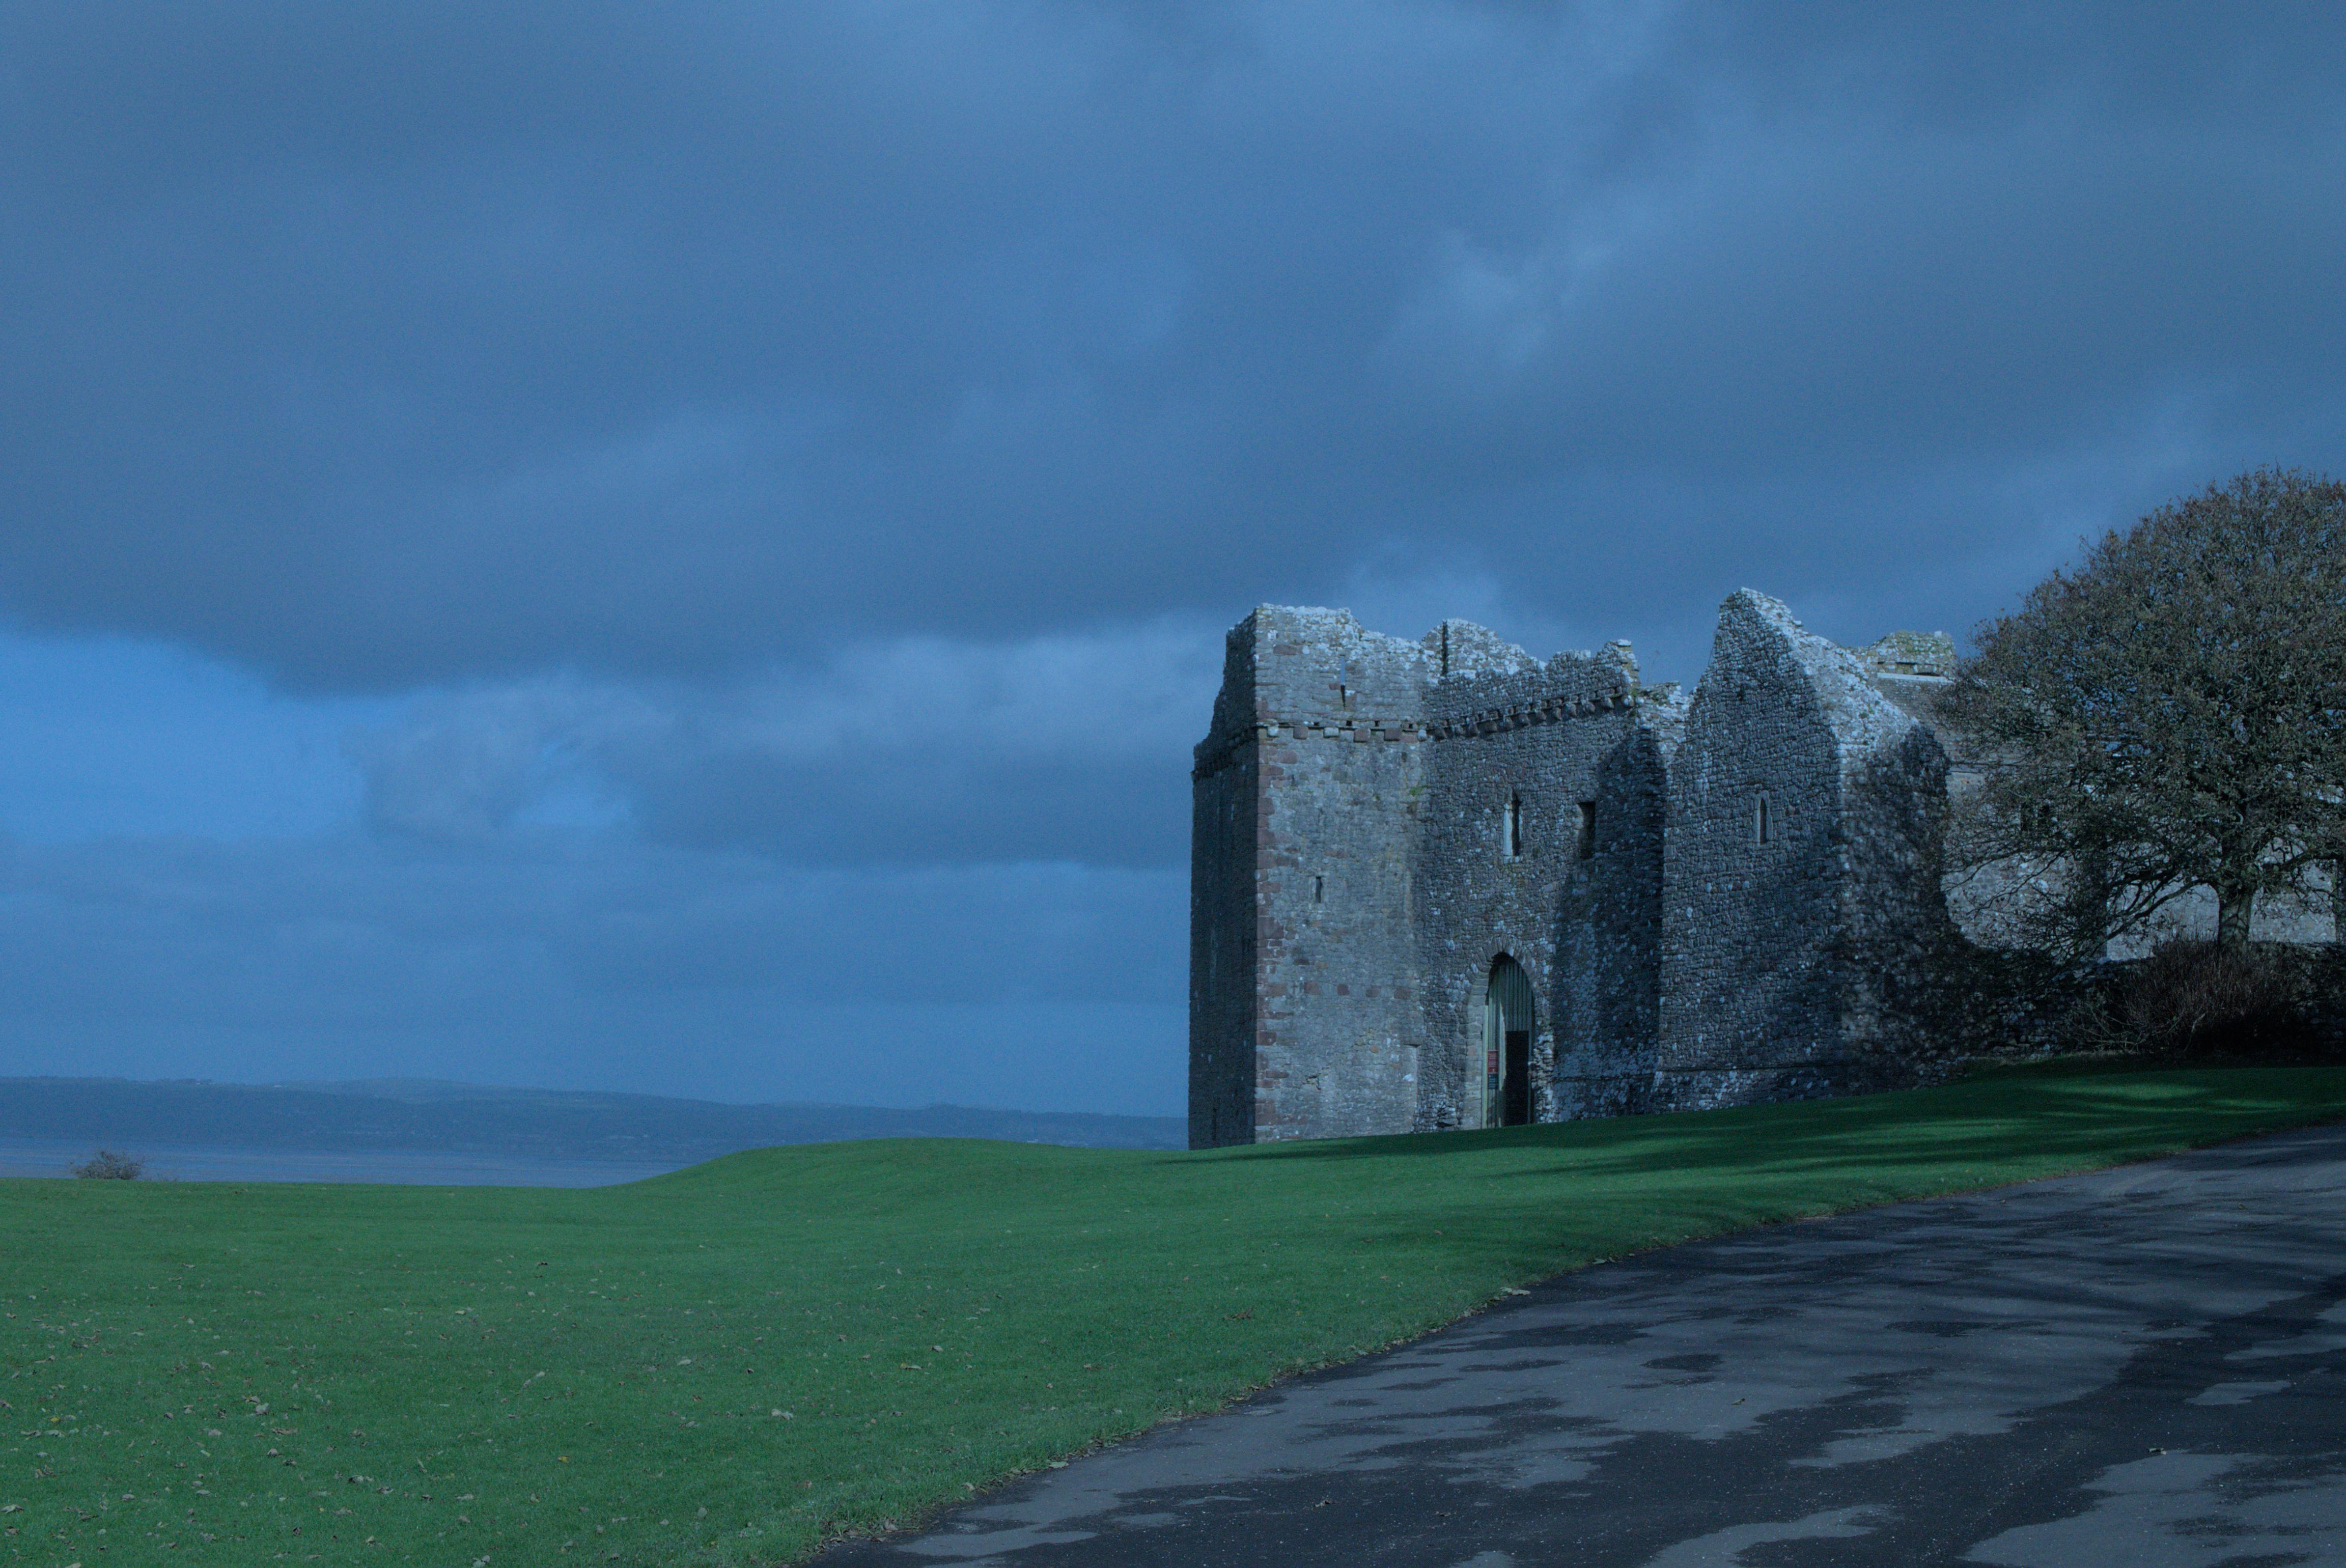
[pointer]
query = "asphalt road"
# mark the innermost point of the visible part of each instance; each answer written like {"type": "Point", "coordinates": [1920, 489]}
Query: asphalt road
{"type": "Point", "coordinates": [2141, 1368]}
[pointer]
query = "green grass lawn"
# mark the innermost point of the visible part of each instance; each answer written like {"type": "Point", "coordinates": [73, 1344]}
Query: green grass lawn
{"type": "Point", "coordinates": [727, 1364]}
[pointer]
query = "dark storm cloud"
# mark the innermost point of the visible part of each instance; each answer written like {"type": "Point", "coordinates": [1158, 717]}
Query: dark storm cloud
{"type": "Point", "coordinates": [685, 548]}
{"type": "Point", "coordinates": [917, 751]}
{"type": "Point", "coordinates": [377, 345]}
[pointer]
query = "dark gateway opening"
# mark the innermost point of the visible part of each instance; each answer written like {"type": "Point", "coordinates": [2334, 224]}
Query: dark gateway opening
{"type": "Point", "coordinates": [1507, 1045]}
{"type": "Point", "coordinates": [1516, 1107]}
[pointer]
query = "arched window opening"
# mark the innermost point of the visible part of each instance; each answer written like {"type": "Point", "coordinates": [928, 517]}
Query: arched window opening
{"type": "Point", "coordinates": [1511, 834]}
{"type": "Point", "coordinates": [1759, 824]}
{"type": "Point", "coordinates": [1585, 847]}
{"type": "Point", "coordinates": [1507, 1045]}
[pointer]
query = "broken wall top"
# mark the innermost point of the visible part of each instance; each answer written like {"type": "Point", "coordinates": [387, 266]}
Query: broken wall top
{"type": "Point", "coordinates": [1503, 681]}
{"type": "Point", "coordinates": [1760, 640]}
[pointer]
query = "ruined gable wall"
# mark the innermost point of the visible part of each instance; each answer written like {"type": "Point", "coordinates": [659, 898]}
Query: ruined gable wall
{"type": "Point", "coordinates": [1333, 715]}
{"type": "Point", "coordinates": [1773, 953]}
{"type": "Point", "coordinates": [1745, 978]}
{"type": "Point", "coordinates": [1553, 736]}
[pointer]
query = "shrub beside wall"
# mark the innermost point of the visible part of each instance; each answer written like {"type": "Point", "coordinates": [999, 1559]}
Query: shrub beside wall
{"type": "Point", "coordinates": [2273, 1001]}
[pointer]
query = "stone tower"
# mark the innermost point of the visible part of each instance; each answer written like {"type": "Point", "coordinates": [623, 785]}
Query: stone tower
{"type": "Point", "coordinates": [1307, 789]}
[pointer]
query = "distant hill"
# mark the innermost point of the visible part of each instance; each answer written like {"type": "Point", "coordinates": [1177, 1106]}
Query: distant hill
{"type": "Point", "coordinates": [426, 1115]}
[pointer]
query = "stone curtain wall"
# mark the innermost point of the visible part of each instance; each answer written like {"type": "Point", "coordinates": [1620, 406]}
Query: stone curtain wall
{"type": "Point", "coordinates": [1895, 939]}
{"type": "Point", "coordinates": [1772, 948]}
{"type": "Point", "coordinates": [1609, 943]}
{"type": "Point", "coordinates": [1574, 730]}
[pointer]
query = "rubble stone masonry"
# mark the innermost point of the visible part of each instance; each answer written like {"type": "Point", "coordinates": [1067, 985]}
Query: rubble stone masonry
{"type": "Point", "coordinates": [1701, 892]}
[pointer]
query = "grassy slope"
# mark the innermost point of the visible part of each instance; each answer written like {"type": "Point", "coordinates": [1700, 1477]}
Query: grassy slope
{"type": "Point", "coordinates": [499, 1373]}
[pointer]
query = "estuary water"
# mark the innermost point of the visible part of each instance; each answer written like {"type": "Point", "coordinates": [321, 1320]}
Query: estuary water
{"type": "Point", "coordinates": [56, 1156]}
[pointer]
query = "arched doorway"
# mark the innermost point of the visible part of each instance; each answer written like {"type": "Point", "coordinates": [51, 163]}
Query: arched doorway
{"type": "Point", "coordinates": [1507, 1045]}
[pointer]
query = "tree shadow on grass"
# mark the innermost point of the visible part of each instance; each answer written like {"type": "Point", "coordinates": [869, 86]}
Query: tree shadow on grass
{"type": "Point", "coordinates": [2027, 1121]}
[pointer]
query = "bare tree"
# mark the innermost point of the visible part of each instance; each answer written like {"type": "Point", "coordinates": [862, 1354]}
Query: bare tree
{"type": "Point", "coordinates": [2169, 716]}
{"type": "Point", "coordinates": [107, 1165]}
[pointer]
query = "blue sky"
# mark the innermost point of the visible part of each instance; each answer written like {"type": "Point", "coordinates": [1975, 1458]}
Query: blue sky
{"type": "Point", "coordinates": [683, 549]}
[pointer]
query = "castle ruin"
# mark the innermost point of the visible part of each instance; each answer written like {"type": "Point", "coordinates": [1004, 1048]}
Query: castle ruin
{"type": "Point", "coordinates": [1442, 884]}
